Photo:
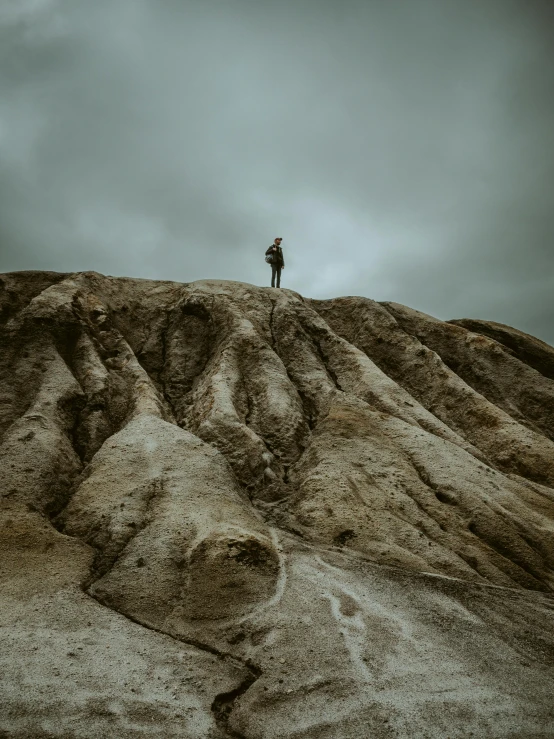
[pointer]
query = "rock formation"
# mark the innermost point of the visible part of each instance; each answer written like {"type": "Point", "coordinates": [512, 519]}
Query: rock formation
{"type": "Point", "coordinates": [230, 511]}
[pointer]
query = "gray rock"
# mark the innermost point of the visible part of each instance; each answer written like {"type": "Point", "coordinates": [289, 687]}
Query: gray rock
{"type": "Point", "coordinates": [231, 511]}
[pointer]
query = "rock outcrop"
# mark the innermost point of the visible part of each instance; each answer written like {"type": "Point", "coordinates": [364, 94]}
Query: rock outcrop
{"type": "Point", "coordinates": [229, 511]}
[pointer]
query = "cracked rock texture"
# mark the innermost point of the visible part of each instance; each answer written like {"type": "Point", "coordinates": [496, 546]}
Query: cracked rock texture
{"type": "Point", "coordinates": [229, 511]}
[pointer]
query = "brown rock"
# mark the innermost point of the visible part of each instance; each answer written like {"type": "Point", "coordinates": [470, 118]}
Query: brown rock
{"type": "Point", "coordinates": [230, 511]}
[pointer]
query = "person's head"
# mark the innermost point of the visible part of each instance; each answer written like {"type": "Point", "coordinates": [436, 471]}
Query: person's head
{"type": "Point", "coordinates": [277, 241]}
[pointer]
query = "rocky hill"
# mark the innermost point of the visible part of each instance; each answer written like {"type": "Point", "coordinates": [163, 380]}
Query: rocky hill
{"type": "Point", "coordinates": [230, 511]}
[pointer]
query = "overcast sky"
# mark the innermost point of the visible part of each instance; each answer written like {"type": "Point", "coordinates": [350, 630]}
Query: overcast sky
{"type": "Point", "coordinates": [403, 149]}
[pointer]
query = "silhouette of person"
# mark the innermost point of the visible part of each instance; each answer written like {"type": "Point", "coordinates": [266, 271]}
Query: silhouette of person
{"type": "Point", "coordinates": [274, 255]}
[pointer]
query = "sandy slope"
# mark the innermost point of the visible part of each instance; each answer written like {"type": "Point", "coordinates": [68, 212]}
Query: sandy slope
{"type": "Point", "coordinates": [231, 511]}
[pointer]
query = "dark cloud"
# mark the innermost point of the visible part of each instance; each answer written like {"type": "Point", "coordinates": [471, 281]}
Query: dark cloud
{"type": "Point", "coordinates": [405, 150]}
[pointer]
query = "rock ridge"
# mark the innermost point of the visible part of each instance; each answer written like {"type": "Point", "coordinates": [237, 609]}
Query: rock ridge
{"type": "Point", "coordinates": [237, 473]}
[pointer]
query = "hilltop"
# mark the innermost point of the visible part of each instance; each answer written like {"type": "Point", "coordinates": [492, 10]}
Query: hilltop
{"type": "Point", "coordinates": [231, 511]}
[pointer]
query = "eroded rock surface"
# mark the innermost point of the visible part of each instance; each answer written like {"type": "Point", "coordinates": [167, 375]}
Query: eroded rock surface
{"type": "Point", "coordinates": [231, 511]}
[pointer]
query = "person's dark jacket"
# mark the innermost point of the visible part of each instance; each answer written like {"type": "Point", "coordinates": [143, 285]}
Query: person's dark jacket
{"type": "Point", "coordinates": [277, 257]}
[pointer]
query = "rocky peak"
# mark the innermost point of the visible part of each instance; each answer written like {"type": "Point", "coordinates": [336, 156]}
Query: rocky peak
{"type": "Point", "coordinates": [309, 502]}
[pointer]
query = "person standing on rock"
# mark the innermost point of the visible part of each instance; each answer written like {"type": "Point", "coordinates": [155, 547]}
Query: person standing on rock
{"type": "Point", "coordinates": [274, 256]}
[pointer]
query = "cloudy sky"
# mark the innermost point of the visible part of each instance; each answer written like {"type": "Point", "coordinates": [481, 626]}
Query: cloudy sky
{"type": "Point", "coordinates": [403, 149]}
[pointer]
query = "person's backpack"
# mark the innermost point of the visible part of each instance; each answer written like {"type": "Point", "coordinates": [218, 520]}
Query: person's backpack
{"type": "Point", "coordinates": [269, 257]}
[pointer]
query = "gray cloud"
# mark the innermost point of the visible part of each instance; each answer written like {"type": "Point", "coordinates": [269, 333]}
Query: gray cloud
{"type": "Point", "coordinates": [404, 150]}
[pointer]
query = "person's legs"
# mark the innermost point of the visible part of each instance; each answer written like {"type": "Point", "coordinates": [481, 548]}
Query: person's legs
{"type": "Point", "coordinates": [273, 271]}
{"type": "Point", "coordinates": [278, 276]}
